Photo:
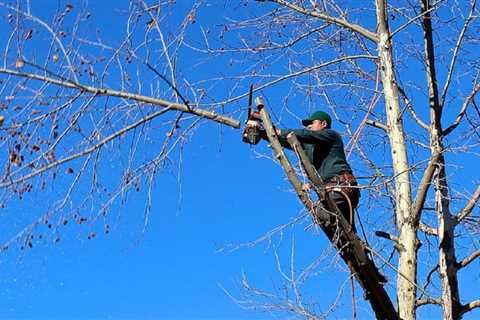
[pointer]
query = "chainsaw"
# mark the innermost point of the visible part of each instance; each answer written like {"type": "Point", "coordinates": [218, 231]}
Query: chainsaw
{"type": "Point", "coordinates": [253, 126]}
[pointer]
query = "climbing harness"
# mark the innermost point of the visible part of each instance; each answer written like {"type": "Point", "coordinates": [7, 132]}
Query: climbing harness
{"type": "Point", "coordinates": [345, 184]}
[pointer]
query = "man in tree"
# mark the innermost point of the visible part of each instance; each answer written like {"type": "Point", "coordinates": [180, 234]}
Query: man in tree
{"type": "Point", "coordinates": [325, 150]}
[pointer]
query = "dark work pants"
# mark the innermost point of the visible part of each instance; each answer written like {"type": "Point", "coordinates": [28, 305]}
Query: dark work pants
{"type": "Point", "coordinates": [343, 206]}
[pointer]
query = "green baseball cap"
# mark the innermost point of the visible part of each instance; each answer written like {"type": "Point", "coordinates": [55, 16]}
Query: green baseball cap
{"type": "Point", "coordinates": [318, 115]}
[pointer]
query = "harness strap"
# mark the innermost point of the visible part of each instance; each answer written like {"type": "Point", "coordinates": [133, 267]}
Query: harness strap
{"type": "Point", "coordinates": [342, 192]}
{"type": "Point", "coordinates": [342, 183]}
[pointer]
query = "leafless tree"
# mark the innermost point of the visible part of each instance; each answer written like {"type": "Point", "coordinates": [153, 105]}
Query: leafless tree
{"type": "Point", "coordinates": [400, 78]}
{"type": "Point", "coordinates": [408, 70]}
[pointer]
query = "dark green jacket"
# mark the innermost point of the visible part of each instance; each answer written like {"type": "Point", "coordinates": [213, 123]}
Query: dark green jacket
{"type": "Point", "coordinates": [324, 148]}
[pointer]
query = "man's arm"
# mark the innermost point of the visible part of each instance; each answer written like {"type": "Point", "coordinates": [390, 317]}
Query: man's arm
{"type": "Point", "coordinates": [303, 135]}
{"type": "Point", "coordinates": [282, 137]}
{"type": "Point", "coordinates": [307, 136]}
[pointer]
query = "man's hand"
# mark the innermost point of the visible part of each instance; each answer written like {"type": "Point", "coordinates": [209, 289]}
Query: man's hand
{"type": "Point", "coordinates": [255, 115]}
{"type": "Point", "coordinates": [306, 186]}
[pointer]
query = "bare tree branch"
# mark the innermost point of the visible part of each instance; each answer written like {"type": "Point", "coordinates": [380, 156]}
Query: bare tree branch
{"type": "Point", "coordinates": [455, 54]}
{"type": "Point", "coordinates": [296, 74]}
{"type": "Point", "coordinates": [425, 185]}
{"type": "Point", "coordinates": [470, 205]}
{"type": "Point", "coordinates": [127, 95]}
{"type": "Point", "coordinates": [391, 237]}
{"type": "Point", "coordinates": [52, 33]}
{"type": "Point", "coordinates": [446, 223]}
{"type": "Point", "coordinates": [340, 22]}
{"type": "Point", "coordinates": [465, 262]}
{"type": "Point", "coordinates": [85, 152]}
{"type": "Point", "coordinates": [427, 229]}
{"type": "Point", "coordinates": [470, 306]}
{"type": "Point", "coordinates": [286, 164]}
{"type": "Point", "coordinates": [417, 17]}
{"type": "Point", "coordinates": [426, 301]}
{"type": "Point", "coordinates": [409, 107]}
{"type": "Point", "coordinates": [377, 124]}
{"type": "Point", "coordinates": [463, 110]}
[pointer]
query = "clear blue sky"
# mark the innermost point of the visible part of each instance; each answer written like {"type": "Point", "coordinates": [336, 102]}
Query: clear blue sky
{"type": "Point", "coordinates": [177, 267]}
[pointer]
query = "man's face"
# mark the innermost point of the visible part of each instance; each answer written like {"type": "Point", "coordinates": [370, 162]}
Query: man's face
{"type": "Point", "coordinates": [317, 125]}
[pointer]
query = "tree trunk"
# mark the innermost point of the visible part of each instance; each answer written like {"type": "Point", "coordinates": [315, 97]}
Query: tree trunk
{"type": "Point", "coordinates": [447, 260]}
{"type": "Point", "coordinates": [406, 222]}
{"type": "Point", "coordinates": [446, 222]}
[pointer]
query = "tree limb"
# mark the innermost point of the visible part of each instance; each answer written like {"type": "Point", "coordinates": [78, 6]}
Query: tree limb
{"type": "Point", "coordinates": [377, 124]}
{"type": "Point", "coordinates": [446, 223]}
{"type": "Point", "coordinates": [463, 110]}
{"type": "Point", "coordinates": [52, 33]}
{"type": "Point", "coordinates": [425, 185]}
{"type": "Point", "coordinates": [456, 51]}
{"type": "Point", "coordinates": [312, 174]}
{"type": "Point", "coordinates": [428, 281]}
{"type": "Point", "coordinates": [85, 152]}
{"type": "Point", "coordinates": [411, 20]}
{"type": "Point", "coordinates": [465, 262]}
{"type": "Point", "coordinates": [296, 74]}
{"type": "Point", "coordinates": [340, 22]}
{"type": "Point", "coordinates": [409, 106]}
{"type": "Point", "coordinates": [423, 302]}
{"type": "Point", "coordinates": [427, 229]}
{"type": "Point", "coordinates": [470, 306]}
{"type": "Point", "coordinates": [286, 164]}
{"type": "Point", "coordinates": [382, 234]}
{"type": "Point", "coordinates": [470, 205]}
{"type": "Point", "coordinates": [127, 95]}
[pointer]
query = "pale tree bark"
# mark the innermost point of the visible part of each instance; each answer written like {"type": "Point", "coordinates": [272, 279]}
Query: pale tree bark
{"type": "Point", "coordinates": [407, 223]}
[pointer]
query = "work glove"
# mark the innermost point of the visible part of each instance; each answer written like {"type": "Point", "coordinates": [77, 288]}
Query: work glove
{"type": "Point", "coordinates": [256, 116]}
